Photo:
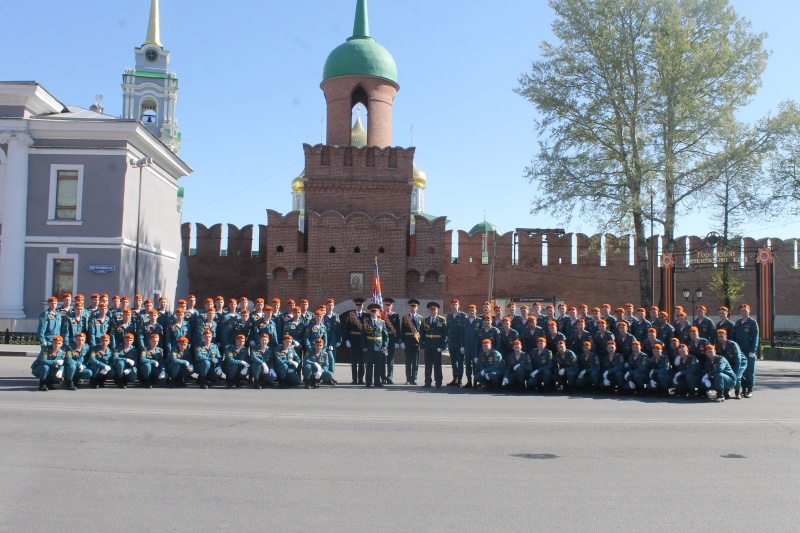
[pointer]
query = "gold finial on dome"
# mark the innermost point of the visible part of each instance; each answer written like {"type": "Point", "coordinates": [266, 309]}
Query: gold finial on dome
{"type": "Point", "coordinates": [299, 183]}
{"type": "Point", "coordinates": [358, 136]}
{"type": "Point", "coordinates": [420, 178]}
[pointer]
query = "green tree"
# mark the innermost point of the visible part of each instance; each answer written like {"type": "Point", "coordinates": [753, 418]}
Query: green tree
{"type": "Point", "coordinates": [631, 99]}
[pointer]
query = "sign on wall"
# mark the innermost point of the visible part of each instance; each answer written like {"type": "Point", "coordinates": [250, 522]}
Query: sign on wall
{"type": "Point", "coordinates": [102, 269]}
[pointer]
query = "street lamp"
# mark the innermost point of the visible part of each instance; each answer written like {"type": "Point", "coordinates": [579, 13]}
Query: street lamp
{"type": "Point", "coordinates": [698, 293]}
{"type": "Point", "coordinates": [140, 164]}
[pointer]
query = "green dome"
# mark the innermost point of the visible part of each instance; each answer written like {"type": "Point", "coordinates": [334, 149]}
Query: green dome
{"type": "Point", "coordinates": [483, 227]}
{"type": "Point", "coordinates": [360, 57]}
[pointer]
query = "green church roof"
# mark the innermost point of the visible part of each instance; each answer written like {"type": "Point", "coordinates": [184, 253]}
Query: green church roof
{"type": "Point", "coordinates": [483, 227]}
{"type": "Point", "coordinates": [360, 55]}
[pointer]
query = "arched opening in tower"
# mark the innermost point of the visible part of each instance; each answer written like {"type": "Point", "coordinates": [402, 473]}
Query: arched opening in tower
{"type": "Point", "coordinates": [359, 101]}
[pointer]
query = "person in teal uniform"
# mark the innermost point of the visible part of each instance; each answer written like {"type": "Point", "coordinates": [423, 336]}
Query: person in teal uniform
{"type": "Point", "coordinates": [638, 373]}
{"type": "Point", "coordinates": [206, 359]}
{"type": "Point", "coordinates": [541, 377]}
{"type": "Point", "coordinates": [578, 336]}
{"type": "Point", "coordinates": [472, 327]}
{"type": "Point", "coordinates": [99, 362]}
{"type": "Point", "coordinates": [720, 376]}
{"type": "Point", "coordinates": [334, 327]}
{"type": "Point", "coordinates": [49, 324]}
{"type": "Point", "coordinates": [507, 337]}
{"type": "Point", "coordinates": [686, 370]}
{"type": "Point", "coordinates": [517, 368]}
{"type": "Point", "coordinates": [48, 366]}
{"type": "Point", "coordinates": [75, 368]}
{"type": "Point", "coordinates": [78, 322]}
{"type": "Point", "coordinates": [661, 372]}
{"type": "Point", "coordinates": [489, 372]}
{"type": "Point", "coordinates": [530, 334]}
{"type": "Point", "coordinates": [179, 363]}
{"type": "Point", "coordinates": [565, 367]}
{"type": "Point", "coordinates": [612, 366]}
{"type": "Point", "coordinates": [177, 327]}
{"type": "Point", "coordinates": [374, 342]}
{"type": "Point", "coordinates": [260, 360]}
{"type": "Point", "coordinates": [733, 354]}
{"type": "Point", "coordinates": [724, 323]}
{"type": "Point", "coordinates": [747, 336]}
{"type": "Point", "coordinates": [313, 365]}
{"type": "Point", "coordinates": [589, 363]}
{"type": "Point", "coordinates": [286, 363]}
{"type": "Point", "coordinates": [236, 362]}
{"type": "Point", "coordinates": [704, 325]}
{"type": "Point", "coordinates": [123, 362]}
{"type": "Point", "coordinates": [126, 326]}
{"type": "Point", "coordinates": [315, 330]}
{"type": "Point", "coordinates": [456, 321]}
{"type": "Point", "coordinates": [99, 325]}
{"type": "Point", "coordinates": [152, 364]}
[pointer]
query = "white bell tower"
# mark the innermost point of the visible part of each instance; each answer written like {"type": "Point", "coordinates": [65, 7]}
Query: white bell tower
{"type": "Point", "coordinates": [150, 90]}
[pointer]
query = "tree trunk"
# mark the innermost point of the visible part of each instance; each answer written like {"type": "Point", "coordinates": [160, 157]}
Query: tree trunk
{"type": "Point", "coordinates": [642, 261]}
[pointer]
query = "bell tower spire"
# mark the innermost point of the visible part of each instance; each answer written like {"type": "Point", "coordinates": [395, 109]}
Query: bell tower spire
{"type": "Point", "coordinates": [361, 25]}
{"type": "Point", "coordinates": [153, 27]}
{"type": "Point", "coordinates": [150, 90]}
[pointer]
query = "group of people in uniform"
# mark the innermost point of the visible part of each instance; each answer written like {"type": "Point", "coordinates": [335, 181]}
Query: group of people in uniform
{"type": "Point", "coordinates": [635, 351]}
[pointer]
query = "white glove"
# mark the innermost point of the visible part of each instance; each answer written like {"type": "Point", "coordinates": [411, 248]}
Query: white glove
{"type": "Point", "coordinates": [677, 360]}
{"type": "Point", "coordinates": [338, 344]}
{"type": "Point", "coordinates": [675, 379]}
{"type": "Point", "coordinates": [516, 367]}
{"type": "Point", "coordinates": [162, 375]}
{"type": "Point", "coordinates": [347, 343]}
{"type": "Point", "coordinates": [533, 374]}
{"type": "Point", "coordinates": [218, 371]}
{"type": "Point", "coordinates": [706, 382]}
{"type": "Point", "coordinates": [317, 368]}
{"type": "Point", "coordinates": [476, 360]}
{"type": "Point", "coordinates": [244, 371]}
{"type": "Point", "coordinates": [679, 373]}
{"type": "Point", "coordinates": [439, 350]}
{"type": "Point", "coordinates": [385, 351]}
{"type": "Point", "coordinates": [155, 363]}
{"type": "Point", "coordinates": [652, 372]}
{"type": "Point", "coordinates": [264, 367]}
{"type": "Point", "coordinates": [80, 368]}
{"type": "Point", "coordinates": [293, 363]}
{"type": "Point", "coordinates": [126, 371]}
{"type": "Point", "coordinates": [403, 345]}
{"type": "Point", "coordinates": [626, 365]}
{"type": "Point", "coordinates": [605, 374]}
{"type": "Point", "coordinates": [632, 385]}
{"type": "Point", "coordinates": [483, 373]}
{"type": "Point", "coordinates": [606, 382]}
{"type": "Point", "coordinates": [291, 370]}
{"type": "Point", "coordinates": [396, 345]}
{"type": "Point", "coordinates": [295, 344]}
{"type": "Point", "coordinates": [626, 375]}
{"type": "Point", "coordinates": [653, 384]}
{"type": "Point", "coordinates": [317, 375]}
{"type": "Point", "coordinates": [462, 349]}
{"type": "Point", "coordinates": [190, 367]}
{"type": "Point", "coordinates": [561, 372]}
{"type": "Point", "coordinates": [60, 362]}
{"type": "Point", "coordinates": [59, 373]}
{"type": "Point", "coordinates": [505, 381]}
{"type": "Point", "coordinates": [272, 373]}
{"type": "Point", "coordinates": [106, 369]}
{"type": "Point", "coordinates": [214, 360]}
{"type": "Point", "coordinates": [129, 362]}
{"type": "Point", "coordinates": [583, 373]}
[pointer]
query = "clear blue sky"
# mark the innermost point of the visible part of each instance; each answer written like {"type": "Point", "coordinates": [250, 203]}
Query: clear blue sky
{"type": "Point", "coordinates": [250, 72]}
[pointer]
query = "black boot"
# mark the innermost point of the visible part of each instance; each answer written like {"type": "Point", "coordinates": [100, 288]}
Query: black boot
{"type": "Point", "coordinates": [69, 385]}
{"type": "Point", "coordinates": [469, 383]}
{"type": "Point", "coordinates": [101, 381]}
{"type": "Point", "coordinates": [42, 385]}
{"type": "Point", "coordinates": [307, 384]}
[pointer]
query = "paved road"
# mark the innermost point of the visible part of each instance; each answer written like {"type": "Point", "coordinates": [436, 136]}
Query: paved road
{"type": "Point", "coordinates": [397, 459]}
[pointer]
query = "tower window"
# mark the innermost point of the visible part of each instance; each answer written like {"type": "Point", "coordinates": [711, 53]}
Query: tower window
{"type": "Point", "coordinates": [357, 250]}
{"type": "Point", "coordinates": [332, 250]}
{"type": "Point", "coordinates": [279, 249]}
{"type": "Point", "coordinates": [149, 111]}
{"type": "Point", "coordinates": [381, 250]}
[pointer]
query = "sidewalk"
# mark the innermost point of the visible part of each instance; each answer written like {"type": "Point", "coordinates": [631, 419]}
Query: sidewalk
{"type": "Point", "coordinates": [18, 350]}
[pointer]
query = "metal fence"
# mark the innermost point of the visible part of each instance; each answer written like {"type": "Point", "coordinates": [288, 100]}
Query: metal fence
{"type": "Point", "coordinates": [19, 338]}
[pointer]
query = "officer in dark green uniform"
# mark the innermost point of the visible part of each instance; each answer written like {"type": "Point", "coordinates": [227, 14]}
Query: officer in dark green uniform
{"type": "Point", "coordinates": [352, 328]}
{"type": "Point", "coordinates": [374, 341]}
{"type": "Point", "coordinates": [434, 341]}
{"type": "Point", "coordinates": [410, 335]}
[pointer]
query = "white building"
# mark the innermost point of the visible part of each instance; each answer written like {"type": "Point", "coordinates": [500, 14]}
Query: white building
{"type": "Point", "coordinates": [74, 215]}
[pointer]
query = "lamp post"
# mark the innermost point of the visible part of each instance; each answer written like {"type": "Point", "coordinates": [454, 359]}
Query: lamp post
{"type": "Point", "coordinates": [140, 164]}
{"type": "Point", "coordinates": [698, 293]}
{"type": "Point", "coordinates": [652, 251]}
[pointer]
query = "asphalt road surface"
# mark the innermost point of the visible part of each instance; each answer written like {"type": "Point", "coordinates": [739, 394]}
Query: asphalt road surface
{"type": "Point", "coordinates": [395, 459]}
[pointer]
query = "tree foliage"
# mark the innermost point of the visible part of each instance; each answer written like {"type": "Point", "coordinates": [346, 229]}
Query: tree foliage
{"type": "Point", "coordinates": [636, 98]}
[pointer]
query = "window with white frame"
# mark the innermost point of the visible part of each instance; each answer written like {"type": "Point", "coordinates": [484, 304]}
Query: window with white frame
{"type": "Point", "coordinates": [61, 274]}
{"type": "Point", "coordinates": [66, 191]}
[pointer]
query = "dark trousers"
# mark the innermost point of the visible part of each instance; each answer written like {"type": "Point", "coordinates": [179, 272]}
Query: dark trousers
{"type": "Point", "coordinates": [412, 361]}
{"type": "Point", "coordinates": [433, 362]}
{"type": "Point", "coordinates": [357, 363]}
{"type": "Point", "coordinates": [375, 361]}
{"type": "Point", "coordinates": [457, 361]}
{"type": "Point", "coordinates": [388, 369]}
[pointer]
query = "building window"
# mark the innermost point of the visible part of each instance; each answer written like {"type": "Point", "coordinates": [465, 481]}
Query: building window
{"type": "Point", "coordinates": [149, 111]}
{"type": "Point", "coordinates": [381, 250]}
{"type": "Point", "coordinates": [66, 192]}
{"type": "Point", "coordinates": [279, 249]}
{"type": "Point", "coordinates": [357, 250]}
{"type": "Point", "coordinates": [332, 250]}
{"type": "Point", "coordinates": [61, 274]}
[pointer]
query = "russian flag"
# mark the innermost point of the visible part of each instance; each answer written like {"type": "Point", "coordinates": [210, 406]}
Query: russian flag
{"type": "Point", "coordinates": [377, 297]}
